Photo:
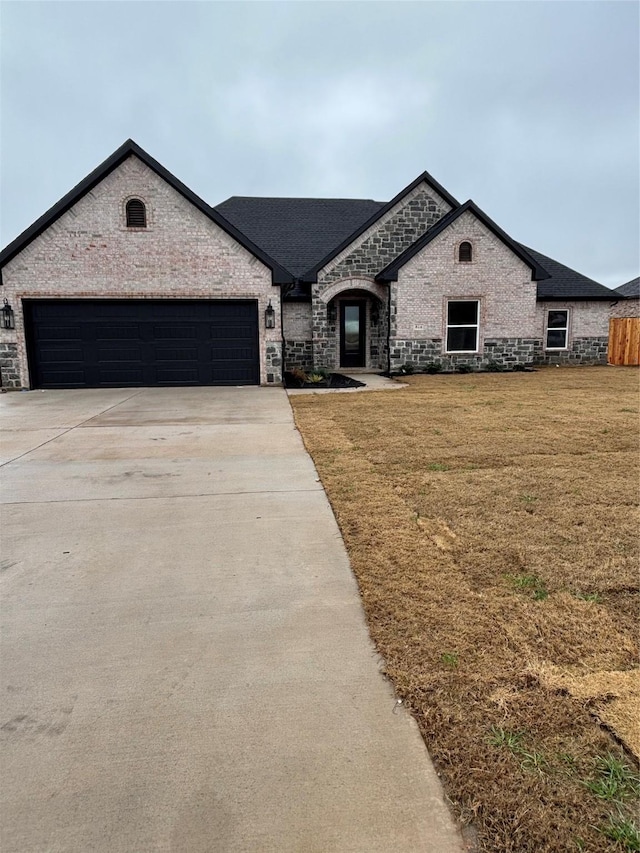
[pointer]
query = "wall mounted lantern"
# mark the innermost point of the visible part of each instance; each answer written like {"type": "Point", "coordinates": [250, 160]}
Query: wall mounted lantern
{"type": "Point", "coordinates": [8, 319]}
{"type": "Point", "coordinates": [269, 317]}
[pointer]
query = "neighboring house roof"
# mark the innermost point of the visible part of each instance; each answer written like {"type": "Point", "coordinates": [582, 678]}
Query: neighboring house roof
{"type": "Point", "coordinates": [565, 283]}
{"type": "Point", "coordinates": [390, 272]}
{"type": "Point", "coordinates": [280, 275]}
{"type": "Point", "coordinates": [631, 290]}
{"type": "Point", "coordinates": [298, 231]}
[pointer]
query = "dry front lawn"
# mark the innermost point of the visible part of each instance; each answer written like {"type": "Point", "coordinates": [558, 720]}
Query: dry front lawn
{"type": "Point", "coordinates": [492, 523]}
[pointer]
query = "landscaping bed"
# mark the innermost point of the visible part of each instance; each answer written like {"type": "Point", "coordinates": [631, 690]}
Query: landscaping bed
{"type": "Point", "coordinates": [492, 524]}
{"type": "Point", "coordinates": [318, 379]}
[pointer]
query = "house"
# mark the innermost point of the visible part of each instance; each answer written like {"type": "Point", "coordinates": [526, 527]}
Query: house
{"type": "Point", "coordinates": [624, 326]}
{"type": "Point", "coordinates": [131, 279]}
{"type": "Point", "coordinates": [629, 304]}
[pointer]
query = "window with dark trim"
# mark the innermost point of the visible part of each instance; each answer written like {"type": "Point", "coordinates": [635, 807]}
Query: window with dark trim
{"type": "Point", "coordinates": [136, 214]}
{"type": "Point", "coordinates": [557, 331]}
{"type": "Point", "coordinates": [465, 252]}
{"type": "Point", "coordinates": [462, 325]}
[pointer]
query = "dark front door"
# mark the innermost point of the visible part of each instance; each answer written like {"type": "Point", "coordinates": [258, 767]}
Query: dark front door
{"type": "Point", "coordinates": [352, 334]}
{"type": "Point", "coordinates": [119, 343]}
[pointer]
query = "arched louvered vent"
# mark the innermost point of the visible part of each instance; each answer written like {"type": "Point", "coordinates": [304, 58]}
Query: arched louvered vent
{"type": "Point", "coordinates": [136, 214]}
{"type": "Point", "coordinates": [464, 252]}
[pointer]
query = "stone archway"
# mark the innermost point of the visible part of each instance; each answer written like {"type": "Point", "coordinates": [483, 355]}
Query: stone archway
{"type": "Point", "coordinates": [328, 306]}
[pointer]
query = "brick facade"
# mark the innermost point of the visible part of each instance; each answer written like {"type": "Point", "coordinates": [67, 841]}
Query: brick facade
{"type": "Point", "coordinates": [626, 308]}
{"type": "Point", "coordinates": [182, 254]}
{"type": "Point", "coordinates": [89, 252]}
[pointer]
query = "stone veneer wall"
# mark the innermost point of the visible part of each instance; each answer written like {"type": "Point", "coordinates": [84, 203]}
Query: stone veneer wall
{"type": "Point", "coordinates": [90, 253]}
{"type": "Point", "coordinates": [501, 352]}
{"type": "Point", "coordinates": [370, 253]}
{"type": "Point", "coordinates": [388, 238]}
{"type": "Point", "coordinates": [298, 354]}
{"type": "Point", "coordinates": [9, 365]}
{"type": "Point", "coordinates": [505, 353]}
{"type": "Point", "coordinates": [298, 335]}
{"type": "Point", "coordinates": [581, 351]}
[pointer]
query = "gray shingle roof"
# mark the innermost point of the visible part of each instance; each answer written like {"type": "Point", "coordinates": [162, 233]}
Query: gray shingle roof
{"type": "Point", "coordinates": [631, 289]}
{"type": "Point", "coordinates": [297, 232]}
{"type": "Point", "coordinates": [300, 232]}
{"type": "Point", "coordinates": [565, 283]}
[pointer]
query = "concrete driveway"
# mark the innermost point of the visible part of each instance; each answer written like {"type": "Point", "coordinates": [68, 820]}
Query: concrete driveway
{"type": "Point", "coordinates": [185, 663]}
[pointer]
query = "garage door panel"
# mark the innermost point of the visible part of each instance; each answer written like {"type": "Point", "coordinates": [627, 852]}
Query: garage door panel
{"type": "Point", "coordinates": [63, 332]}
{"type": "Point", "coordinates": [119, 354]}
{"type": "Point", "coordinates": [58, 378]}
{"type": "Point", "coordinates": [105, 332]}
{"type": "Point", "coordinates": [117, 377]}
{"type": "Point", "coordinates": [60, 355]}
{"type": "Point", "coordinates": [91, 343]}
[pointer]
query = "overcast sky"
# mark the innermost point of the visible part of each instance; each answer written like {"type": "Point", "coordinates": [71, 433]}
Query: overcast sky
{"type": "Point", "coordinates": [529, 108]}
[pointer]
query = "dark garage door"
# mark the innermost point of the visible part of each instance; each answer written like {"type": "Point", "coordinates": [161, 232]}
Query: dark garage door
{"type": "Point", "coordinates": [120, 343]}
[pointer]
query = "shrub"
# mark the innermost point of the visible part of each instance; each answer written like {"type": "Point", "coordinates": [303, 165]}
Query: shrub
{"type": "Point", "coordinates": [299, 374]}
{"type": "Point", "coordinates": [464, 368]}
{"type": "Point", "coordinates": [433, 367]}
{"type": "Point", "coordinates": [407, 369]}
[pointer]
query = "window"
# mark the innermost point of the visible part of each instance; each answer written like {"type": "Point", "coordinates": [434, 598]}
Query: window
{"type": "Point", "coordinates": [136, 214]}
{"type": "Point", "coordinates": [462, 325]}
{"type": "Point", "coordinates": [465, 252]}
{"type": "Point", "coordinates": [557, 329]}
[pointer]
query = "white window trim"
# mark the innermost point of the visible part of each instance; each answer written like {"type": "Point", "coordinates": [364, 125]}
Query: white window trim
{"type": "Point", "coordinates": [556, 329]}
{"type": "Point", "coordinates": [448, 326]}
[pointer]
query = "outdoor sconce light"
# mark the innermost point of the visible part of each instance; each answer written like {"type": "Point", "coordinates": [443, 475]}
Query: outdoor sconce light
{"type": "Point", "coordinates": [8, 319]}
{"type": "Point", "coordinates": [269, 316]}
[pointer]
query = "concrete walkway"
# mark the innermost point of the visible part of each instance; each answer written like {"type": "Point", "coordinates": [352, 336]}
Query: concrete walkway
{"type": "Point", "coordinates": [185, 663]}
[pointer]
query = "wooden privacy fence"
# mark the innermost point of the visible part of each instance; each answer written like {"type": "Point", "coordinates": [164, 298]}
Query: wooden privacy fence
{"type": "Point", "coordinates": [624, 340]}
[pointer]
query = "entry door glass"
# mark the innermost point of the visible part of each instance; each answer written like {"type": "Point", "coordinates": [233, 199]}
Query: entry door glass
{"type": "Point", "coordinates": [352, 334]}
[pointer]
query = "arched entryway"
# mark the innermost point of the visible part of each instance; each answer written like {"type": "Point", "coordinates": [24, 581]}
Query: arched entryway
{"type": "Point", "coordinates": [351, 325]}
{"type": "Point", "coordinates": [357, 321]}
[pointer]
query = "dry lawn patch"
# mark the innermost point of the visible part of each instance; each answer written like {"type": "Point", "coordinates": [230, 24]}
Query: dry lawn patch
{"type": "Point", "coordinates": [492, 523]}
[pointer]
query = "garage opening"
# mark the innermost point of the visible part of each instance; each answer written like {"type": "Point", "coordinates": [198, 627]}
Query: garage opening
{"type": "Point", "coordinates": [92, 343]}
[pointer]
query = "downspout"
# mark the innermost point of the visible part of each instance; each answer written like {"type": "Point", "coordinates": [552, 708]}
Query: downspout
{"type": "Point", "coordinates": [282, 293]}
{"type": "Point", "coordinates": [389, 329]}
{"type": "Point", "coordinates": [284, 290]}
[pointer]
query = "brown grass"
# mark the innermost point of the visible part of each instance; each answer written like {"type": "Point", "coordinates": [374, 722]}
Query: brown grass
{"type": "Point", "coordinates": [492, 523]}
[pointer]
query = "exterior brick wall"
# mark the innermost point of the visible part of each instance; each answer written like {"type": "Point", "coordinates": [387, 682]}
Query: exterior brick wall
{"type": "Point", "coordinates": [588, 332]}
{"type": "Point", "coordinates": [497, 277]}
{"type": "Point", "coordinates": [297, 321]}
{"type": "Point", "coordinates": [626, 308]}
{"type": "Point", "coordinates": [89, 252]}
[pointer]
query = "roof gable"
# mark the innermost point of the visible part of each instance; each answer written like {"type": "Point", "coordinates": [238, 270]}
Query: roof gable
{"type": "Point", "coordinates": [390, 272]}
{"type": "Point", "coordinates": [312, 274]}
{"type": "Point", "coordinates": [129, 148]}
